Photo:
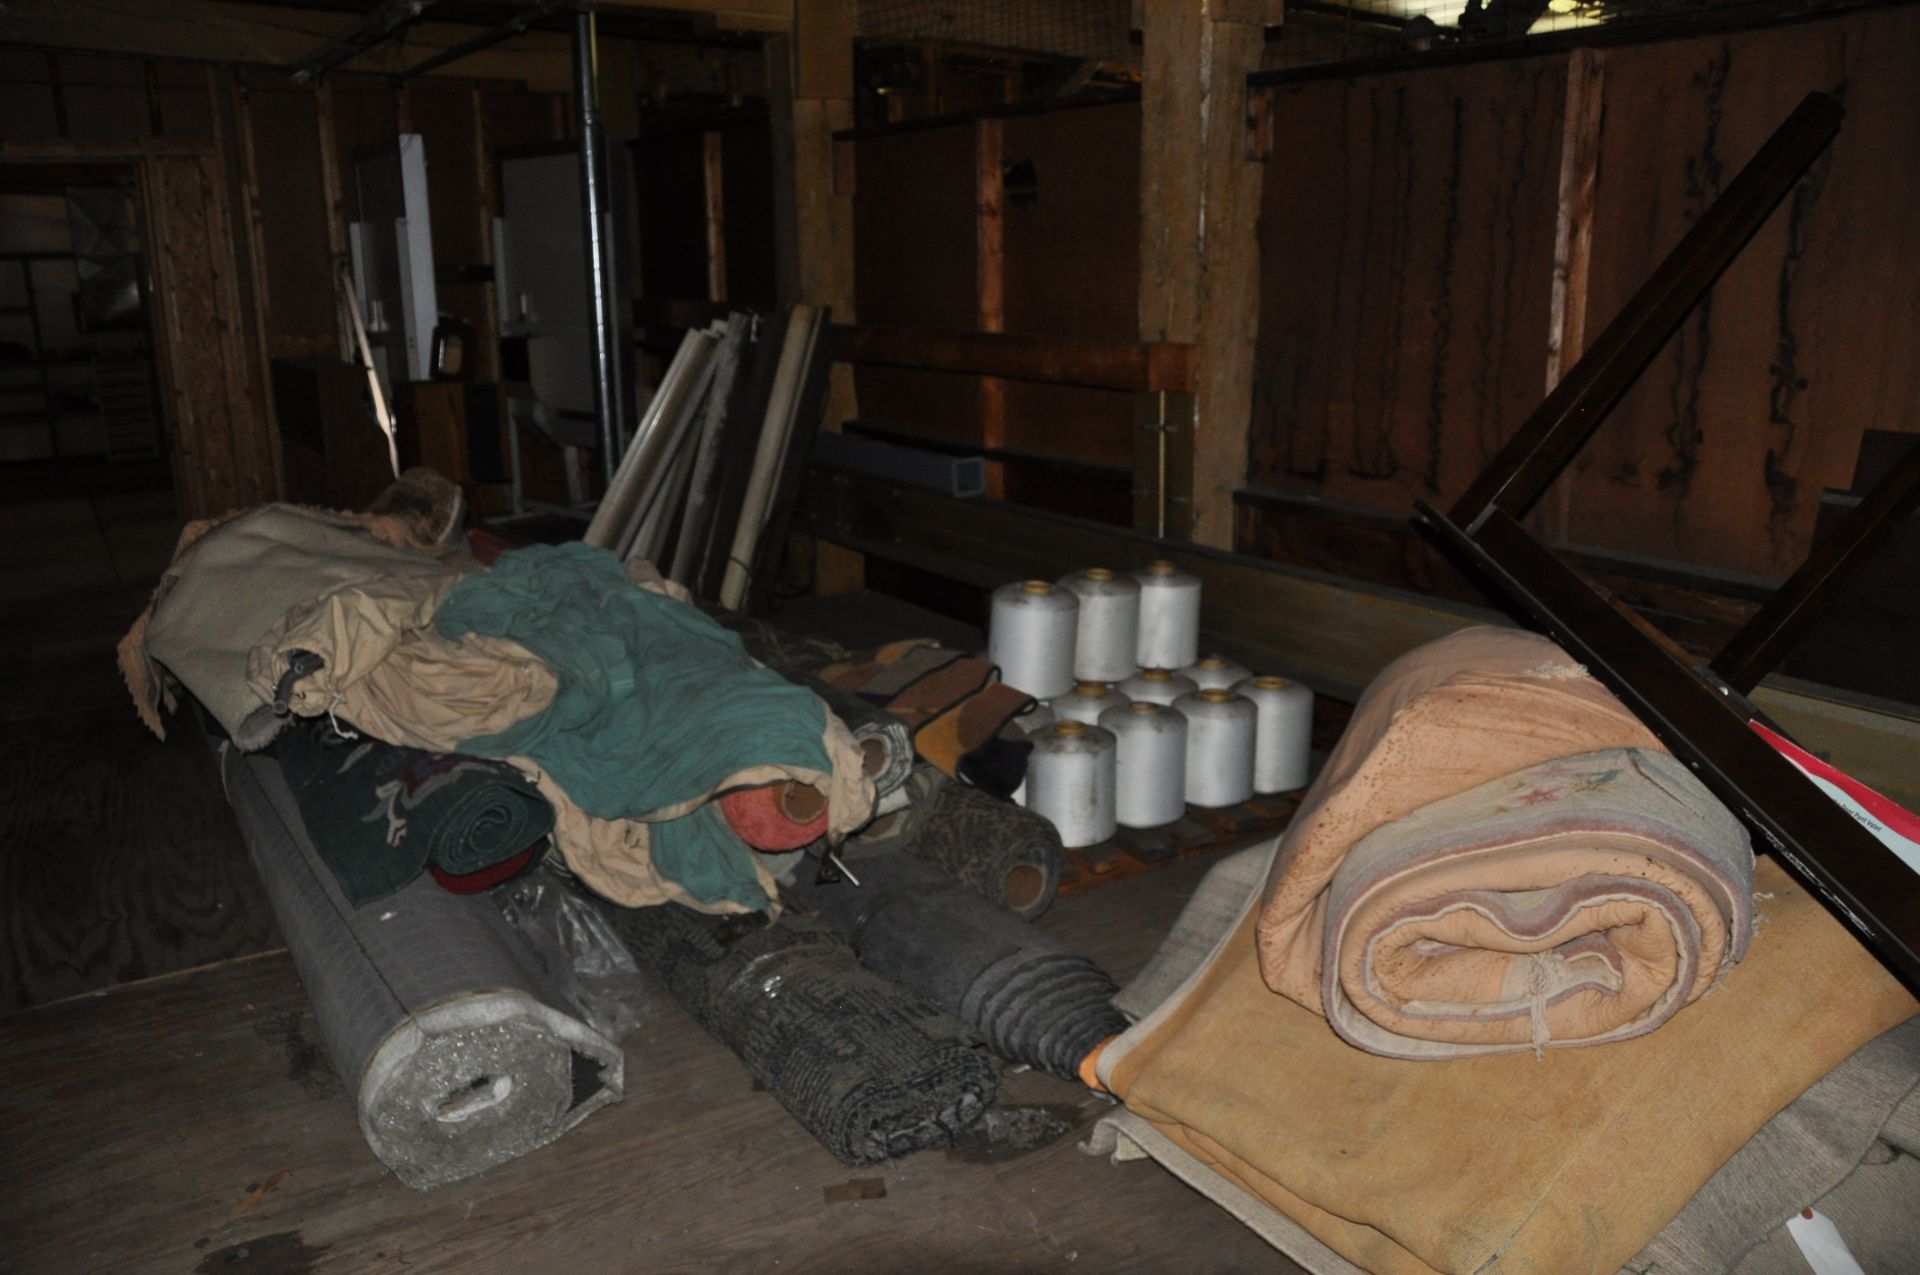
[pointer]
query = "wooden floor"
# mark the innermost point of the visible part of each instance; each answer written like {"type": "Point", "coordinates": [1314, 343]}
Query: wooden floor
{"type": "Point", "coordinates": [166, 1103]}
{"type": "Point", "coordinates": [170, 1125]}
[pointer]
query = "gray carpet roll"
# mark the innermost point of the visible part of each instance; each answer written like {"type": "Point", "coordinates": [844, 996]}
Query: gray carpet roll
{"type": "Point", "coordinates": [458, 1040]}
{"type": "Point", "coordinates": [1031, 998]}
{"type": "Point", "coordinates": [871, 1071]}
{"type": "Point", "coordinates": [993, 847]}
{"type": "Point", "coordinates": [879, 733]}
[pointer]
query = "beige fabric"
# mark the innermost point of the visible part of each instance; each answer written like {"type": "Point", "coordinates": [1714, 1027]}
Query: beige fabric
{"type": "Point", "coordinates": [231, 578]}
{"type": "Point", "coordinates": [1570, 1163]}
{"type": "Point", "coordinates": [148, 682]}
{"type": "Point", "coordinates": [1442, 719]}
{"type": "Point", "coordinates": [391, 674]}
{"type": "Point", "coordinates": [1582, 900]}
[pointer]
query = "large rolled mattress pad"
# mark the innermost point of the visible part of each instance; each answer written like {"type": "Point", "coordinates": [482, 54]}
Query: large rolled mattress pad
{"type": "Point", "coordinates": [1497, 857]}
{"type": "Point", "coordinates": [458, 1039]}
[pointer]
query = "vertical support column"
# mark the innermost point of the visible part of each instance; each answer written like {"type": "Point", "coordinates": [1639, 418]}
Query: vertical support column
{"type": "Point", "coordinates": [1199, 250]}
{"type": "Point", "coordinates": [607, 359]}
{"type": "Point", "coordinates": [1572, 247]}
{"type": "Point", "coordinates": [713, 167]}
{"type": "Point", "coordinates": [810, 97]}
{"type": "Point", "coordinates": [990, 185]}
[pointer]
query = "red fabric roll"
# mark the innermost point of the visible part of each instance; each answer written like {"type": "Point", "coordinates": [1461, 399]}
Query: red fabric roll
{"type": "Point", "coordinates": [758, 816]}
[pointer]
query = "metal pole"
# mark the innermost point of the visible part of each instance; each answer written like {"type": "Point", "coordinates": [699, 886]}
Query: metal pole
{"type": "Point", "coordinates": [593, 200]}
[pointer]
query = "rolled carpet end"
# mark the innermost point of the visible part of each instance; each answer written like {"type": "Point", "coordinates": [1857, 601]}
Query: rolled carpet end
{"type": "Point", "coordinates": [781, 816]}
{"type": "Point", "coordinates": [1001, 852]}
{"type": "Point", "coordinates": [1032, 999]}
{"type": "Point", "coordinates": [870, 1070]}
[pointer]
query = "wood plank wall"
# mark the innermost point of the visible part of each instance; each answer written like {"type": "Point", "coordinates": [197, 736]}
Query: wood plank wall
{"type": "Point", "coordinates": [1062, 259]}
{"type": "Point", "coordinates": [1408, 240]}
{"type": "Point", "coordinates": [288, 157]}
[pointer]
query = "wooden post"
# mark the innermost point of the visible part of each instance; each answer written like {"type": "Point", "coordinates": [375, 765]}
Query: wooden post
{"type": "Point", "coordinates": [253, 235]}
{"type": "Point", "coordinates": [1573, 246]}
{"type": "Point", "coordinates": [333, 193]}
{"type": "Point", "coordinates": [810, 98]}
{"type": "Point", "coordinates": [713, 167]}
{"type": "Point", "coordinates": [1199, 250]}
{"type": "Point", "coordinates": [990, 227]}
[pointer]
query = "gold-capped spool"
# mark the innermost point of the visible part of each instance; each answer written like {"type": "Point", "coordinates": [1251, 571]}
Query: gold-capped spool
{"type": "Point", "coordinates": [1212, 662]}
{"type": "Point", "coordinates": [1038, 588]}
{"type": "Point", "coordinates": [1099, 573]}
{"type": "Point", "coordinates": [1268, 682]}
{"type": "Point", "coordinates": [1145, 708]}
{"type": "Point", "coordinates": [1215, 695]}
{"type": "Point", "coordinates": [1161, 567]}
{"type": "Point", "coordinates": [1156, 675]}
{"type": "Point", "coordinates": [1090, 689]}
{"type": "Point", "coordinates": [1069, 729]}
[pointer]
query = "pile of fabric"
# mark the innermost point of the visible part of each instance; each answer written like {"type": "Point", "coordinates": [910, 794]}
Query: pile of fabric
{"type": "Point", "coordinates": [1497, 994]}
{"type": "Point", "coordinates": [629, 710]}
{"type": "Point", "coordinates": [407, 732]}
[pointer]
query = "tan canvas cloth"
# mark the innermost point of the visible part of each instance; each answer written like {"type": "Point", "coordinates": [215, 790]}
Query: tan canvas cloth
{"type": "Point", "coordinates": [232, 578]}
{"type": "Point", "coordinates": [387, 671]}
{"type": "Point", "coordinates": [1563, 1164]}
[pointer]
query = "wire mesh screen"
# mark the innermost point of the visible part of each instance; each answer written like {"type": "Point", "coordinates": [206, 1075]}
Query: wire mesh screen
{"type": "Point", "coordinates": [1100, 30]}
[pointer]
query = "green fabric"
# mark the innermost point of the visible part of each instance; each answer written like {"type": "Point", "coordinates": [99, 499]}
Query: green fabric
{"type": "Point", "coordinates": [657, 705]}
{"type": "Point", "coordinates": [378, 814]}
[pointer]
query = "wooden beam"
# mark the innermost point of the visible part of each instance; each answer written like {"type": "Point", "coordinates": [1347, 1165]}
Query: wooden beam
{"type": "Point", "coordinates": [252, 236]}
{"type": "Point", "coordinates": [1094, 364]}
{"type": "Point", "coordinates": [713, 183]}
{"type": "Point", "coordinates": [1333, 633]}
{"type": "Point", "coordinates": [1573, 242]}
{"type": "Point", "coordinates": [810, 98]}
{"type": "Point", "coordinates": [332, 191]}
{"type": "Point", "coordinates": [1199, 251]}
{"type": "Point", "coordinates": [990, 278]}
{"type": "Point", "coordinates": [268, 36]}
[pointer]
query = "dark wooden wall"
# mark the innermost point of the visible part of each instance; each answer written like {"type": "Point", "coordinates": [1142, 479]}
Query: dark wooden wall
{"type": "Point", "coordinates": [1062, 261]}
{"type": "Point", "coordinates": [281, 163]}
{"type": "Point", "coordinates": [1408, 240]}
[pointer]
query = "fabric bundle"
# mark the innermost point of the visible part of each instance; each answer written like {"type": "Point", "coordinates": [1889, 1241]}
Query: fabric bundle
{"type": "Point", "coordinates": [1032, 999]}
{"type": "Point", "coordinates": [998, 850]}
{"type": "Point", "coordinates": [631, 710]}
{"type": "Point", "coordinates": [380, 815]}
{"type": "Point", "coordinates": [462, 1047]}
{"type": "Point", "coordinates": [1497, 861]}
{"type": "Point", "coordinates": [1499, 856]}
{"type": "Point", "coordinates": [955, 707]}
{"type": "Point", "coordinates": [1573, 1161]}
{"type": "Point", "coordinates": [871, 1071]}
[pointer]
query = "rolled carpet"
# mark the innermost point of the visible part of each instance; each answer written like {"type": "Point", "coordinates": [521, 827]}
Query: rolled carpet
{"type": "Point", "coordinates": [1032, 999]}
{"type": "Point", "coordinates": [998, 850]}
{"type": "Point", "coordinates": [1575, 902]}
{"type": "Point", "coordinates": [1499, 857]}
{"type": "Point", "coordinates": [882, 737]}
{"type": "Point", "coordinates": [871, 1071]}
{"type": "Point", "coordinates": [379, 814]}
{"type": "Point", "coordinates": [460, 1043]}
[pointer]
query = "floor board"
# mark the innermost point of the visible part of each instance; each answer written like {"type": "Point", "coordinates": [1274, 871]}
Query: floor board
{"type": "Point", "coordinates": [194, 1116]}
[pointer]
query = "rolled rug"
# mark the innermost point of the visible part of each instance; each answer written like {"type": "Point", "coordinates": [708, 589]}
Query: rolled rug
{"type": "Point", "coordinates": [462, 1047]}
{"type": "Point", "coordinates": [867, 1068]}
{"type": "Point", "coordinates": [1032, 999]}
{"type": "Point", "coordinates": [884, 739]}
{"type": "Point", "coordinates": [993, 847]}
{"type": "Point", "coordinates": [1575, 902]}
{"type": "Point", "coordinates": [379, 814]}
{"type": "Point", "coordinates": [1499, 857]}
